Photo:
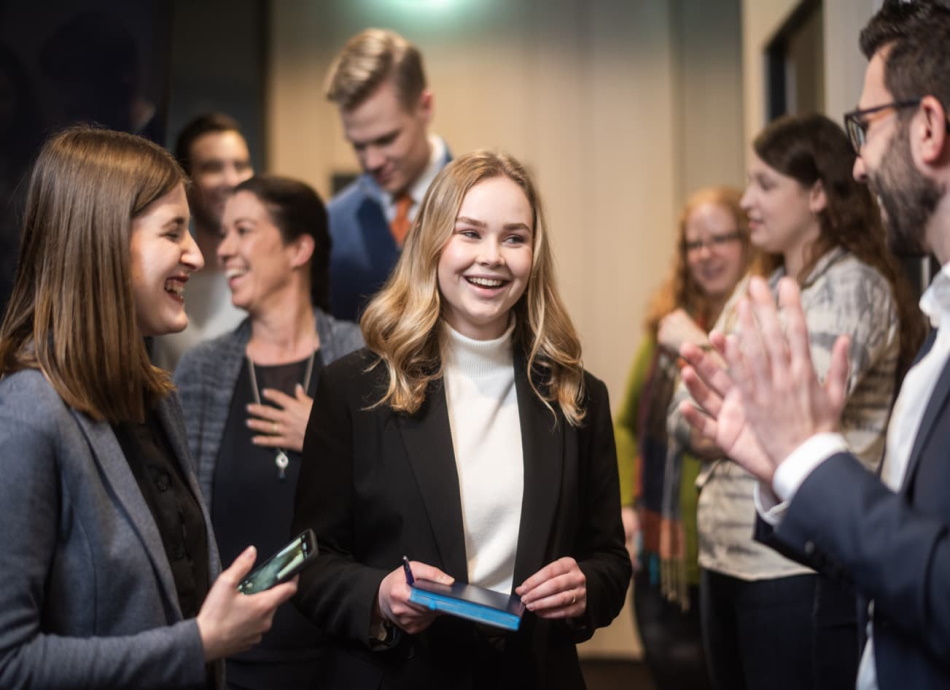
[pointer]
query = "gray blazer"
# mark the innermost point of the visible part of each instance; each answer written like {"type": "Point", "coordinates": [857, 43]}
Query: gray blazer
{"type": "Point", "coordinates": [207, 375]}
{"type": "Point", "coordinates": [88, 598]}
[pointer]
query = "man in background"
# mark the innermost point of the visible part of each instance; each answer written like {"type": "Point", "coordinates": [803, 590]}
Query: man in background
{"type": "Point", "coordinates": [378, 82]}
{"type": "Point", "coordinates": [215, 156]}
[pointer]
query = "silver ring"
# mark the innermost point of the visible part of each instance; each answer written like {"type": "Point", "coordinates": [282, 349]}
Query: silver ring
{"type": "Point", "coordinates": [573, 598]}
{"type": "Point", "coordinates": [274, 428]}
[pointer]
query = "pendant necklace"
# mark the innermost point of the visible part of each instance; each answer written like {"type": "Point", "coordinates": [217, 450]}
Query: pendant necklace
{"type": "Point", "coordinates": [281, 459]}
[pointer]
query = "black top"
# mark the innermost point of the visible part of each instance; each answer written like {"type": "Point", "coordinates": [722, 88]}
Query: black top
{"type": "Point", "coordinates": [174, 507]}
{"type": "Point", "coordinates": [252, 505]}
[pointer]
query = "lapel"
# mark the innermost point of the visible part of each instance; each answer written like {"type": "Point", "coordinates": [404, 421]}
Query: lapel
{"type": "Point", "coordinates": [108, 456]}
{"type": "Point", "coordinates": [378, 243]}
{"type": "Point", "coordinates": [428, 441]}
{"type": "Point", "coordinates": [935, 406]}
{"type": "Point", "coordinates": [542, 443]}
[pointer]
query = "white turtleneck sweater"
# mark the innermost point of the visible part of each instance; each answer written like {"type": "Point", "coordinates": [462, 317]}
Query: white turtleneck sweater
{"type": "Point", "coordinates": [486, 436]}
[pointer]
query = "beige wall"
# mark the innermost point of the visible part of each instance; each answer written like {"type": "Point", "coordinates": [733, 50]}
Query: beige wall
{"type": "Point", "coordinates": [620, 108]}
{"type": "Point", "coordinates": [844, 64]}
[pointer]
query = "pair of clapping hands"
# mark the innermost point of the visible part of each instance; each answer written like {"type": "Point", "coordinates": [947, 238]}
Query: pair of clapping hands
{"type": "Point", "coordinates": [767, 400]}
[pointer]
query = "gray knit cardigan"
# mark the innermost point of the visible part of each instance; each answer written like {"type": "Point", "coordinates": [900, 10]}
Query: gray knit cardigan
{"type": "Point", "coordinates": [207, 375]}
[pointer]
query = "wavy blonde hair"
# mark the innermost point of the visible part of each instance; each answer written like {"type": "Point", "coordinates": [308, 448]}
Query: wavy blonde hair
{"type": "Point", "coordinates": [402, 324]}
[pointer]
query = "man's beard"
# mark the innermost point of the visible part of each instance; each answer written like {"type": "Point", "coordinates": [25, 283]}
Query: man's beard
{"type": "Point", "coordinates": [908, 197]}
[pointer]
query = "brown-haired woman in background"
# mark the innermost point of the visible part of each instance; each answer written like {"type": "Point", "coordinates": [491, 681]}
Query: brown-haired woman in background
{"type": "Point", "coordinates": [657, 479]}
{"type": "Point", "coordinates": [469, 437]}
{"type": "Point", "coordinates": [247, 395]}
{"type": "Point", "coordinates": [769, 622]}
{"type": "Point", "coordinates": [110, 574]}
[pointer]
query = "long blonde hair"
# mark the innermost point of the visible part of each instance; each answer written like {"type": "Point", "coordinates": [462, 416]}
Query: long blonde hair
{"type": "Point", "coordinates": [402, 324]}
{"type": "Point", "coordinates": [72, 313]}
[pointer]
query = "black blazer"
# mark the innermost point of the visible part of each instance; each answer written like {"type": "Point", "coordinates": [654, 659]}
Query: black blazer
{"type": "Point", "coordinates": [376, 485]}
{"type": "Point", "coordinates": [894, 548]}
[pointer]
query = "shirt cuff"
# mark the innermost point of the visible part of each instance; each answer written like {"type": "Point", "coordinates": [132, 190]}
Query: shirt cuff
{"type": "Point", "coordinates": [802, 461]}
{"type": "Point", "coordinates": [768, 505]}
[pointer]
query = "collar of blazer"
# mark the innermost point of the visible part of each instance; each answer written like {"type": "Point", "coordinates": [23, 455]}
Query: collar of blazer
{"type": "Point", "coordinates": [938, 400]}
{"type": "Point", "coordinates": [107, 453]}
{"type": "Point", "coordinates": [428, 440]}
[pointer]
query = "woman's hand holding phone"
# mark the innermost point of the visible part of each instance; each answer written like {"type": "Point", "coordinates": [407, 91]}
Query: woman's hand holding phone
{"type": "Point", "coordinates": [230, 622]}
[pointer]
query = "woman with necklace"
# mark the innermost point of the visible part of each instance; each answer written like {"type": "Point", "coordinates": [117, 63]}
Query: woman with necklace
{"type": "Point", "coordinates": [247, 395]}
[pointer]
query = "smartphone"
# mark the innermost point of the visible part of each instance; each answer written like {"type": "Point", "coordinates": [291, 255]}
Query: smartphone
{"type": "Point", "coordinates": [283, 565]}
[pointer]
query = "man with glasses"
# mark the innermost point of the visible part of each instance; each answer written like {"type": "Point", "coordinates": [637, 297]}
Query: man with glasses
{"type": "Point", "coordinates": [888, 535]}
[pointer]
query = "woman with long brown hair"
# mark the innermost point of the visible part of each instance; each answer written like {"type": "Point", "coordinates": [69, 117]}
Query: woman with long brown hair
{"type": "Point", "coordinates": [110, 574]}
{"type": "Point", "coordinates": [468, 437]}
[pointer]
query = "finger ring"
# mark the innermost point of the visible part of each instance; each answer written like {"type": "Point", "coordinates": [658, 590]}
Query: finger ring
{"type": "Point", "coordinates": [574, 598]}
{"type": "Point", "coordinates": [274, 428]}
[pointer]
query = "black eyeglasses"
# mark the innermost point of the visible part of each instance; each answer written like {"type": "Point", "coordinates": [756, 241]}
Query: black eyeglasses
{"type": "Point", "coordinates": [857, 121]}
{"type": "Point", "coordinates": [714, 241]}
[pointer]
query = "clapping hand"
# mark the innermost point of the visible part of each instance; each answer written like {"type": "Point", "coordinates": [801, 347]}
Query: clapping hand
{"type": "Point", "coordinates": [771, 400]}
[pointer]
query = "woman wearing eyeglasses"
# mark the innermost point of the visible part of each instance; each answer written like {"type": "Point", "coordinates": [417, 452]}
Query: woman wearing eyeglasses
{"type": "Point", "coordinates": [657, 478]}
{"type": "Point", "coordinates": [769, 622]}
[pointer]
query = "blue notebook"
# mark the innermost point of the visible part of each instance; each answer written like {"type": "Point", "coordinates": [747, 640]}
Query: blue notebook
{"type": "Point", "coordinates": [469, 601]}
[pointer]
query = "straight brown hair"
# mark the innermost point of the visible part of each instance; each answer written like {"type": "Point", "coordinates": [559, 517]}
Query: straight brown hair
{"type": "Point", "coordinates": [71, 314]}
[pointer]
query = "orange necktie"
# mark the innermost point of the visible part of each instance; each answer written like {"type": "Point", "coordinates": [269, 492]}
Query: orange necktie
{"type": "Point", "coordinates": [400, 224]}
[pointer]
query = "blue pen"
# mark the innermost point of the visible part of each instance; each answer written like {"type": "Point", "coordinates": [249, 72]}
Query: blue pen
{"type": "Point", "coordinates": [405, 566]}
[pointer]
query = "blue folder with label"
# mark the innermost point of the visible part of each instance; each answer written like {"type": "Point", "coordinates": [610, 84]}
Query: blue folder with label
{"type": "Point", "coordinates": [469, 601]}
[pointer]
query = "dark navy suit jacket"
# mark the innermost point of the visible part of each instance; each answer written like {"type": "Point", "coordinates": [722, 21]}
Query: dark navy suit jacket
{"type": "Point", "coordinates": [893, 547]}
{"type": "Point", "coordinates": [363, 252]}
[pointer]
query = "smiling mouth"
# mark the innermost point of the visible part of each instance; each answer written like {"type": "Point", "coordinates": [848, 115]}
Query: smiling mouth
{"type": "Point", "coordinates": [175, 287]}
{"type": "Point", "coordinates": [487, 282]}
{"type": "Point", "coordinates": [234, 273]}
